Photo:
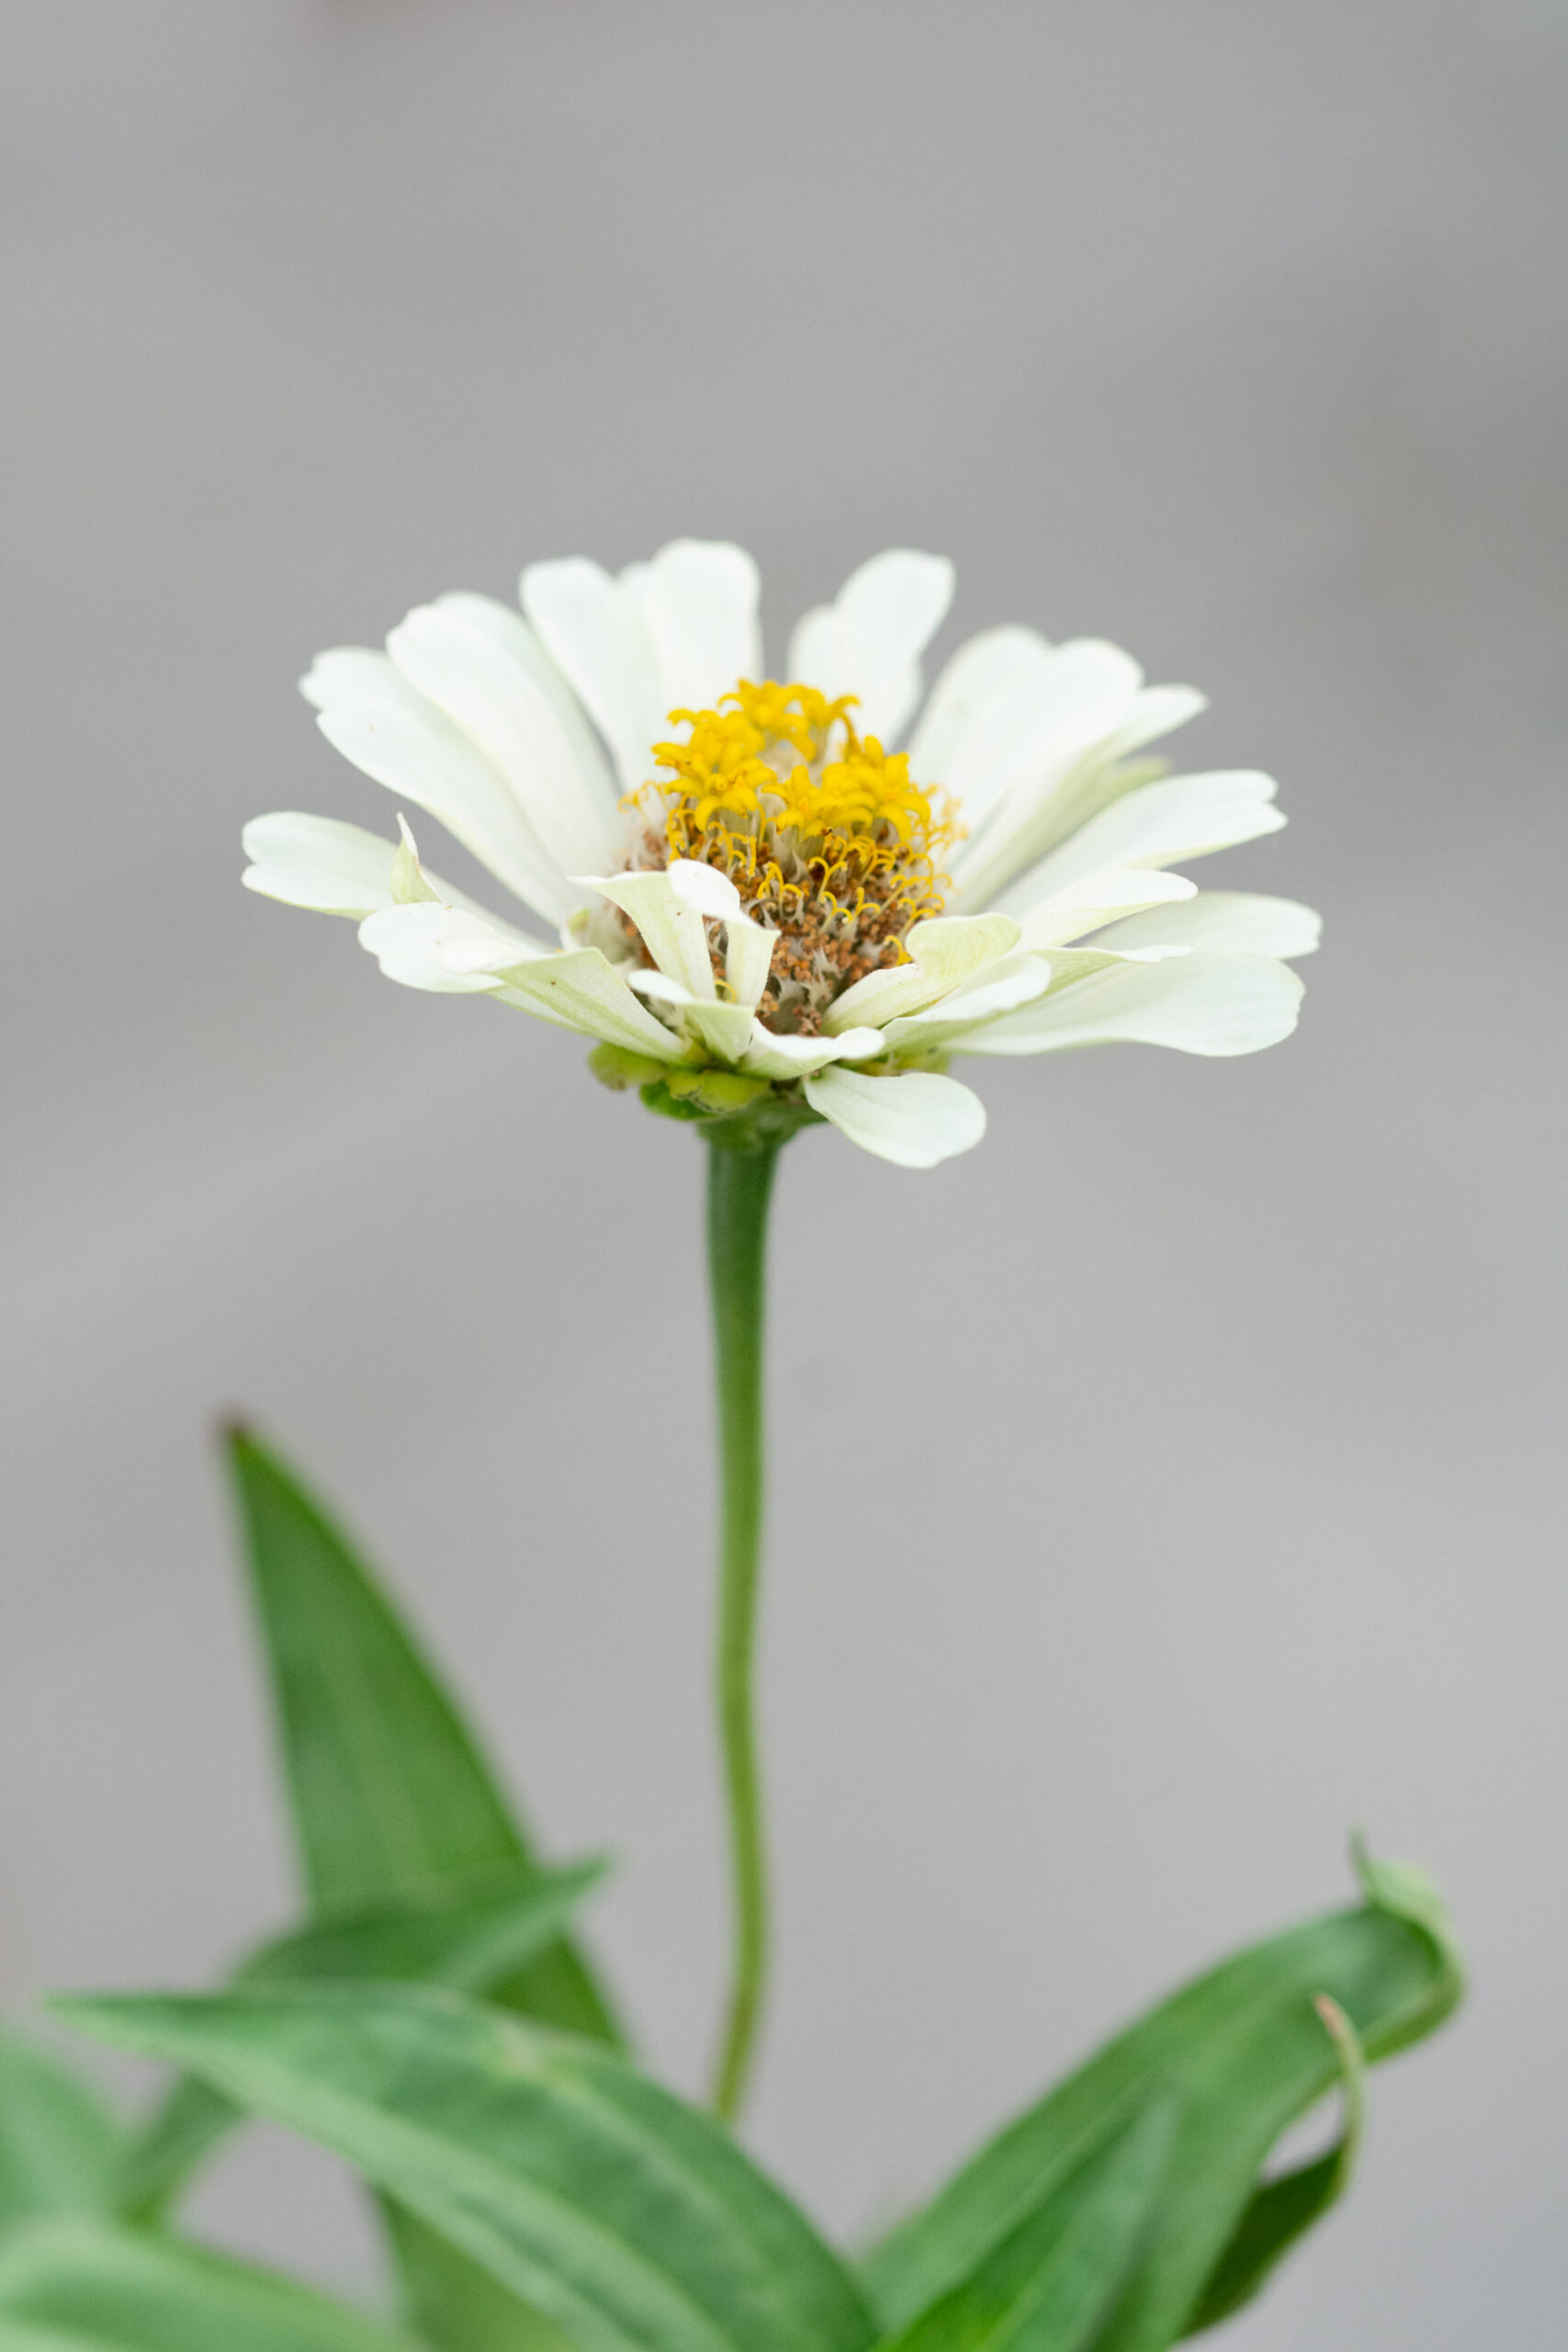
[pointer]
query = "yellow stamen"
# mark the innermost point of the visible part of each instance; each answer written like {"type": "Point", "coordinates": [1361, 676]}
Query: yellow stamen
{"type": "Point", "coordinates": [842, 813]}
{"type": "Point", "coordinates": [825, 833]}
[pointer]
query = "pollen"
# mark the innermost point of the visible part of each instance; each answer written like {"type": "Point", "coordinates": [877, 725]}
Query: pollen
{"type": "Point", "coordinates": [826, 837]}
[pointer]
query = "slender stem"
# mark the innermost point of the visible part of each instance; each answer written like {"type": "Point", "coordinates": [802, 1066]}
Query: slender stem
{"type": "Point", "coordinates": [739, 1185]}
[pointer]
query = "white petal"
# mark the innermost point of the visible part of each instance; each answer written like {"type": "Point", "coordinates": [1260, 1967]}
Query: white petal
{"type": "Point", "coordinates": [410, 880]}
{"type": "Point", "coordinates": [318, 861]}
{"type": "Point", "coordinates": [869, 644]}
{"type": "Point", "coordinates": [508, 627]}
{"type": "Point", "coordinates": [594, 632]}
{"type": "Point", "coordinates": [658, 988]}
{"type": "Point", "coordinates": [725, 1029]}
{"type": "Point", "coordinates": [406, 743]}
{"type": "Point", "coordinates": [789, 1058]}
{"type": "Point", "coordinates": [915, 1121]}
{"type": "Point", "coordinates": [412, 943]}
{"type": "Point", "coordinates": [698, 601]}
{"type": "Point", "coordinates": [1159, 824]}
{"type": "Point", "coordinates": [1033, 713]}
{"type": "Point", "coordinates": [1016, 980]}
{"type": "Point", "coordinates": [322, 862]}
{"type": "Point", "coordinates": [1095, 898]}
{"type": "Point", "coordinates": [346, 672]}
{"type": "Point", "coordinates": [580, 990]}
{"type": "Point", "coordinates": [748, 958]}
{"type": "Point", "coordinates": [671, 930]}
{"type": "Point", "coordinates": [1240, 920]}
{"type": "Point", "coordinates": [1061, 768]}
{"type": "Point", "coordinates": [1157, 711]}
{"type": "Point", "coordinates": [983, 696]}
{"type": "Point", "coordinates": [1201, 1003]}
{"type": "Point", "coordinates": [703, 887]}
{"type": "Point", "coordinates": [944, 952]}
{"type": "Point", "coordinates": [481, 683]}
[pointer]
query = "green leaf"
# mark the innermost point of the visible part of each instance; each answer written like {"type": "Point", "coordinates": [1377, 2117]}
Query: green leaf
{"type": "Point", "coordinates": [59, 2145]}
{"type": "Point", "coordinates": [390, 1795]}
{"type": "Point", "coordinates": [100, 2287]}
{"type": "Point", "coordinates": [632, 2221]}
{"type": "Point", "coordinates": [180, 2133]}
{"type": "Point", "coordinates": [473, 1942]}
{"type": "Point", "coordinates": [1282, 2211]}
{"type": "Point", "coordinates": [455, 2306]}
{"type": "Point", "coordinates": [1242, 2053]}
{"type": "Point", "coordinates": [392, 1799]}
{"type": "Point", "coordinates": [1050, 2282]}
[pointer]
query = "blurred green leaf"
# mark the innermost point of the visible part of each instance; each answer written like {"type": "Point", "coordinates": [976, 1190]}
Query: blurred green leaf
{"type": "Point", "coordinates": [59, 2144]}
{"type": "Point", "coordinates": [392, 1799]}
{"type": "Point", "coordinates": [1241, 2053]}
{"type": "Point", "coordinates": [1050, 2282]}
{"type": "Point", "coordinates": [472, 1942]}
{"type": "Point", "coordinates": [453, 2304]}
{"type": "Point", "coordinates": [179, 2134]}
{"type": "Point", "coordinates": [603, 2201]}
{"type": "Point", "coordinates": [390, 1795]}
{"type": "Point", "coordinates": [100, 2287]}
{"type": "Point", "coordinates": [1282, 2211]}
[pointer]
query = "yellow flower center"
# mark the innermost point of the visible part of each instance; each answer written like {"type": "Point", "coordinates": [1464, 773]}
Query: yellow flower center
{"type": "Point", "coordinates": [826, 836]}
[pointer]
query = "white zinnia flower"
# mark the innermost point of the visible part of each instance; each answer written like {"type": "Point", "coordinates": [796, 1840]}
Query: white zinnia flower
{"type": "Point", "coordinates": [762, 909]}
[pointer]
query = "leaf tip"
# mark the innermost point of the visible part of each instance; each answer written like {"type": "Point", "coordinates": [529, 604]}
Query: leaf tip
{"type": "Point", "coordinates": [1402, 1892]}
{"type": "Point", "coordinates": [82, 2011]}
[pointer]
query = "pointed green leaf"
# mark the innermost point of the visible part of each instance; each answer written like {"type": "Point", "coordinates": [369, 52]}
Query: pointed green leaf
{"type": "Point", "coordinates": [630, 2219]}
{"type": "Point", "coordinates": [474, 1942]}
{"type": "Point", "coordinates": [1283, 2210]}
{"type": "Point", "coordinates": [390, 1794]}
{"type": "Point", "coordinates": [1049, 2284]}
{"type": "Point", "coordinates": [392, 1798]}
{"type": "Point", "coordinates": [1242, 2053]}
{"type": "Point", "coordinates": [100, 2287]}
{"type": "Point", "coordinates": [59, 2145]}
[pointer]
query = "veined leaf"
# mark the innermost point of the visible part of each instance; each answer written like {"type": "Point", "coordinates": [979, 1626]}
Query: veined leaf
{"type": "Point", "coordinates": [472, 1942]}
{"type": "Point", "coordinates": [1050, 2282]}
{"type": "Point", "coordinates": [392, 1799]}
{"type": "Point", "coordinates": [390, 1794]}
{"type": "Point", "coordinates": [100, 2287]}
{"type": "Point", "coordinates": [452, 2303]}
{"type": "Point", "coordinates": [59, 2145]}
{"type": "Point", "coordinates": [1283, 2210]}
{"type": "Point", "coordinates": [1241, 2053]}
{"type": "Point", "coordinates": [622, 2214]}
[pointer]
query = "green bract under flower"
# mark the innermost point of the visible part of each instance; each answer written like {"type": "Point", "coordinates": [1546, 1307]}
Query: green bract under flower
{"type": "Point", "coordinates": [779, 900]}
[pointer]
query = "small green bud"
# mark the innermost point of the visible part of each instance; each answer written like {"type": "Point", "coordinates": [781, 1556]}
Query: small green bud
{"type": "Point", "coordinates": [725, 1090]}
{"type": "Point", "coordinates": [613, 1067]}
{"type": "Point", "coordinates": [658, 1096]}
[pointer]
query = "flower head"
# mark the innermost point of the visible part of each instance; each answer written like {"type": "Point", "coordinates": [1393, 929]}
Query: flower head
{"type": "Point", "coordinates": [762, 910]}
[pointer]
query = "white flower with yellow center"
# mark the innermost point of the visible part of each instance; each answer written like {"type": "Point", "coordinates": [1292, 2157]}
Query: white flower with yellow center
{"type": "Point", "coordinates": [762, 910]}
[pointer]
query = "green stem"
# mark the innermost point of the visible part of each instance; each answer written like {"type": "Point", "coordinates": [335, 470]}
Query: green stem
{"type": "Point", "coordinates": [739, 1185]}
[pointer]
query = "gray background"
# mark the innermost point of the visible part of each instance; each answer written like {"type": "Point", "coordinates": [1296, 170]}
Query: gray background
{"type": "Point", "coordinates": [1161, 1490]}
